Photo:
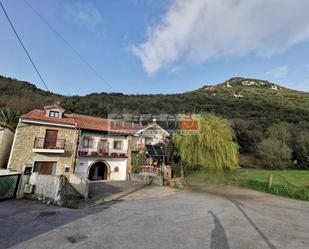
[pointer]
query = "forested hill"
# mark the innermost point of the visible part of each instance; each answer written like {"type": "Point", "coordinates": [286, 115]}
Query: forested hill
{"type": "Point", "coordinates": [253, 106]}
{"type": "Point", "coordinates": [238, 98]}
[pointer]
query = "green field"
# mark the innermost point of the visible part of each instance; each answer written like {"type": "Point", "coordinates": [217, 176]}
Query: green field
{"type": "Point", "coordinates": [298, 178]}
{"type": "Point", "coordinates": [288, 183]}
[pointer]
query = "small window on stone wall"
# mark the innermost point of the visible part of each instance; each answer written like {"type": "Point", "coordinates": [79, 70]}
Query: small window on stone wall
{"type": "Point", "coordinates": [116, 169]}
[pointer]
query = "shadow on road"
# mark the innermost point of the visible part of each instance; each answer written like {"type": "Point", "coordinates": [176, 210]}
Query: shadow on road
{"type": "Point", "coordinates": [239, 207]}
{"type": "Point", "coordinates": [259, 231]}
{"type": "Point", "coordinates": [218, 236]}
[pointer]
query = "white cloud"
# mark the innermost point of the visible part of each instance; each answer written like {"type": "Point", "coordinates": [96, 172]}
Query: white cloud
{"type": "Point", "coordinates": [199, 30]}
{"type": "Point", "coordinates": [278, 72]}
{"type": "Point", "coordinates": [84, 14]}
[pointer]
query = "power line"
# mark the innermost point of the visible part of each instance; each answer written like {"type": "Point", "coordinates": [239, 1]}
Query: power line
{"type": "Point", "coordinates": [21, 43]}
{"type": "Point", "coordinates": [68, 44]}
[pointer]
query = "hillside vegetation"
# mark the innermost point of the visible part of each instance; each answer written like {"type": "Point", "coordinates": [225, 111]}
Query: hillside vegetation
{"type": "Point", "coordinates": [242, 98]}
{"type": "Point", "coordinates": [253, 106]}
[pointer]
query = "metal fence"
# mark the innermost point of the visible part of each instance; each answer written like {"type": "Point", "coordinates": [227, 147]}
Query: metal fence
{"type": "Point", "coordinates": [8, 186]}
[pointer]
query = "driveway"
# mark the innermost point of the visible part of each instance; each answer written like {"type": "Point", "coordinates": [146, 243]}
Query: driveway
{"type": "Point", "coordinates": [109, 190]}
{"type": "Point", "coordinates": [216, 218]}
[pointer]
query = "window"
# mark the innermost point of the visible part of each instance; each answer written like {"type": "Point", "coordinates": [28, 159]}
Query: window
{"type": "Point", "coordinates": [87, 142]}
{"type": "Point", "coordinates": [116, 169]}
{"type": "Point", "coordinates": [117, 145]}
{"type": "Point", "coordinates": [103, 145]}
{"type": "Point", "coordinates": [44, 168]}
{"type": "Point", "coordinates": [54, 114]}
{"type": "Point", "coordinates": [50, 141]}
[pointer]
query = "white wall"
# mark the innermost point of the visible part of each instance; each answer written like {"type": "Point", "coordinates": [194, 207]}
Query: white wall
{"type": "Point", "coordinates": [46, 185]}
{"type": "Point", "coordinates": [152, 135]}
{"type": "Point", "coordinates": [96, 136]}
{"type": "Point", "coordinates": [84, 163]}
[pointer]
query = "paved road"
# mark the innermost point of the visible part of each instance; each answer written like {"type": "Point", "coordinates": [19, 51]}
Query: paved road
{"type": "Point", "coordinates": [220, 218]}
{"type": "Point", "coordinates": [21, 220]}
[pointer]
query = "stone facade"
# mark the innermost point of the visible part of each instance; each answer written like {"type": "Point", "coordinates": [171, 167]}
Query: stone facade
{"type": "Point", "coordinates": [129, 159]}
{"type": "Point", "coordinates": [6, 140]}
{"type": "Point", "coordinates": [23, 155]}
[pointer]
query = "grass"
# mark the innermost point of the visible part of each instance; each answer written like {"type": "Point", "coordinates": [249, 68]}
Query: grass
{"type": "Point", "coordinates": [289, 183]}
{"type": "Point", "coordinates": [298, 178]}
{"type": "Point", "coordinates": [71, 204]}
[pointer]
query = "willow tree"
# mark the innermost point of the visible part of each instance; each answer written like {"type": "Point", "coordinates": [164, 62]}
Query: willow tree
{"type": "Point", "coordinates": [213, 147]}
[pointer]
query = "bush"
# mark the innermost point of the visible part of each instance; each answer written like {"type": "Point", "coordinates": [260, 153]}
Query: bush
{"type": "Point", "coordinates": [274, 154]}
{"type": "Point", "coordinates": [71, 204]}
{"type": "Point", "coordinates": [301, 149]}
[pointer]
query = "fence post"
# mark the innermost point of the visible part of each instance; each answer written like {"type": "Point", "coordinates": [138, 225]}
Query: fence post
{"type": "Point", "coordinates": [270, 181]}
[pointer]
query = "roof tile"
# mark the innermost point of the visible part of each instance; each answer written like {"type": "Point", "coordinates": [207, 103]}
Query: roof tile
{"type": "Point", "coordinates": [85, 122]}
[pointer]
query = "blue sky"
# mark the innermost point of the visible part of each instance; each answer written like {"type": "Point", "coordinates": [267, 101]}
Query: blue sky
{"type": "Point", "coordinates": [157, 46]}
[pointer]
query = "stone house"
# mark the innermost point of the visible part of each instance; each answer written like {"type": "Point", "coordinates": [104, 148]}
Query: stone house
{"type": "Point", "coordinates": [52, 142]}
{"type": "Point", "coordinates": [6, 140]}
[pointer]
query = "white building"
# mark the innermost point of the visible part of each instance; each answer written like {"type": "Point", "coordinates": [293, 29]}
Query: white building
{"type": "Point", "coordinates": [107, 156]}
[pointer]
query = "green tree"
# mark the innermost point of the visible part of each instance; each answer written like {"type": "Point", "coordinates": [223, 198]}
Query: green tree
{"type": "Point", "coordinates": [248, 135]}
{"type": "Point", "coordinates": [301, 149]}
{"type": "Point", "coordinates": [214, 148]}
{"type": "Point", "coordinates": [281, 132]}
{"type": "Point", "coordinates": [274, 153]}
{"type": "Point", "coordinates": [9, 119]}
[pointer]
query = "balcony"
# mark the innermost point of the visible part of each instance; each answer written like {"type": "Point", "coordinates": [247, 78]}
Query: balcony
{"type": "Point", "coordinates": [103, 153]}
{"type": "Point", "coordinates": [49, 145]}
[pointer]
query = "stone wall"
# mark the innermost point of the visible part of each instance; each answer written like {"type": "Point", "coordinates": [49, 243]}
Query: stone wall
{"type": "Point", "coordinates": [22, 153]}
{"type": "Point", "coordinates": [147, 179]}
{"type": "Point", "coordinates": [6, 140]}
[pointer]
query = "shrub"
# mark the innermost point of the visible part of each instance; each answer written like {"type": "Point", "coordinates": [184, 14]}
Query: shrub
{"type": "Point", "coordinates": [301, 149]}
{"type": "Point", "coordinates": [274, 154]}
{"type": "Point", "coordinates": [276, 188]}
{"type": "Point", "coordinates": [71, 204]}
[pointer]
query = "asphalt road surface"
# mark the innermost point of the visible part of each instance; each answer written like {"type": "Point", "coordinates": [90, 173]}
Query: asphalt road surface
{"type": "Point", "coordinates": [215, 218]}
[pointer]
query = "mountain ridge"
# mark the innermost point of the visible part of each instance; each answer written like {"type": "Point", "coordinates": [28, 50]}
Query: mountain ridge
{"type": "Point", "coordinates": [24, 96]}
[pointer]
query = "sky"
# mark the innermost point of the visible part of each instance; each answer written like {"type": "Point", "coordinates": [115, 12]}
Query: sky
{"type": "Point", "coordinates": [156, 46]}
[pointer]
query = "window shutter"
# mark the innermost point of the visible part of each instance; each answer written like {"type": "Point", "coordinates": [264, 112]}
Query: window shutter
{"type": "Point", "coordinates": [92, 143]}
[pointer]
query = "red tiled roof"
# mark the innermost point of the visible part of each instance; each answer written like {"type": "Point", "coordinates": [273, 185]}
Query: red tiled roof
{"type": "Point", "coordinates": [85, 122]}
{"type": "Point", "coordinates": [39, 115]}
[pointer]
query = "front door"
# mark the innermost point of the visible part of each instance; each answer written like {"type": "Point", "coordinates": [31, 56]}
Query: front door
{"type": "Point", "coordinates": [98, 171]}
{"type": "Point", "coordinates": [50, 141]}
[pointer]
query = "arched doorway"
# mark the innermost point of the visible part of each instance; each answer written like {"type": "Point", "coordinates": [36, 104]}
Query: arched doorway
{"type": "Point", "coordinates": [98, 171]}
